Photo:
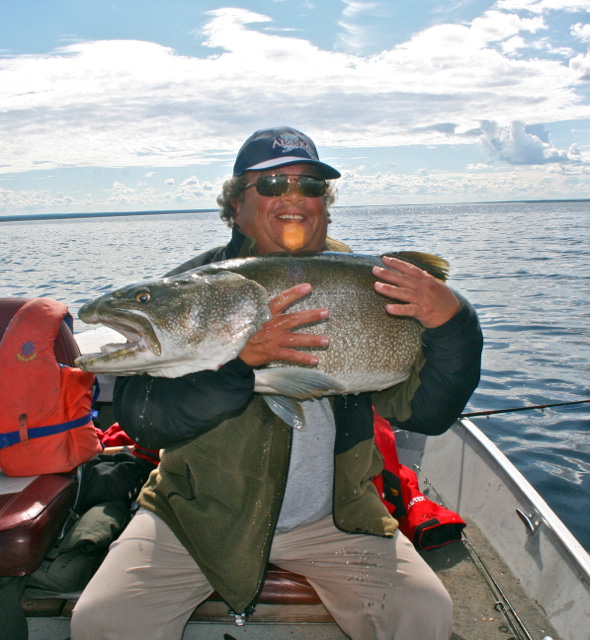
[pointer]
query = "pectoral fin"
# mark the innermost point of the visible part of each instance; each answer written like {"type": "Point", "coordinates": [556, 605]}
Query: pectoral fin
{"type": "Point", "coordinates": [288, 409]}
{"type": "Point", "coordinates": [295, 382]}
{"type": "Point", "coordinates": [282, 387]}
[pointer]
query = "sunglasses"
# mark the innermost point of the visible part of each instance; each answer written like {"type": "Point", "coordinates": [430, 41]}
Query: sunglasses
{"type": "Point", "coordinates": [279, 185]}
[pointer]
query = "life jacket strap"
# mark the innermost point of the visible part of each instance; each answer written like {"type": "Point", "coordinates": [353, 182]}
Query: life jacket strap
{"type": "Point", "coordinates": [14, 437]}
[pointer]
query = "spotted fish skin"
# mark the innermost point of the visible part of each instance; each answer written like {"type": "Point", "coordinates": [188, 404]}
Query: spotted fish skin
{"type": "Point", "coordinates": [203, 318]}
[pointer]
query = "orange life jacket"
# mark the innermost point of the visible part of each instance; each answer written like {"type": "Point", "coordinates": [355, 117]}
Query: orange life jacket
{"type": "Point", "coordinates": [45, 407]}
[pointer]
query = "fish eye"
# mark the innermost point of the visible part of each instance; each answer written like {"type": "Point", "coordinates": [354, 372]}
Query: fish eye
{"type": "Point", "coordinates": [144, 296]}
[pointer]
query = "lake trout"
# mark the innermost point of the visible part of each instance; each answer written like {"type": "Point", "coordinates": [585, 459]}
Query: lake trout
{"type": "Point", "coordinates": [203, 318]}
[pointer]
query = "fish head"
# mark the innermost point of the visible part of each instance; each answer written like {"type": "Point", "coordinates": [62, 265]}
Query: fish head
{"type": "Point", "coordinates": [176, 325]}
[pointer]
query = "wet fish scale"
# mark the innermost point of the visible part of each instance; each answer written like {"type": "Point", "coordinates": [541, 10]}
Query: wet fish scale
{"type": "Point", "coordinates": [364, 340]}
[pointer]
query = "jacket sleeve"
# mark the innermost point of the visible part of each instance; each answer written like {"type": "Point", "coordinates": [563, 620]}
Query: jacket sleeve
{"type": "Point", "coordinates": [159, 412]}
{"type": "Point", "coordinates": [444, 377]}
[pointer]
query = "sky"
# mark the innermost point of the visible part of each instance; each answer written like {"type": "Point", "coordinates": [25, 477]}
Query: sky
{"type": "Point", "coordinates": [142, 105]}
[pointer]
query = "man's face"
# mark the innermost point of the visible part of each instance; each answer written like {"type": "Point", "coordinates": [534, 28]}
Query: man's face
{"type": "Point", "coordinates": [287, 223]}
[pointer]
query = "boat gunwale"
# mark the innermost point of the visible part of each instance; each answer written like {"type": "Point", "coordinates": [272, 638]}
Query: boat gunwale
{"type": "Point", "coordinates": [577, 555]}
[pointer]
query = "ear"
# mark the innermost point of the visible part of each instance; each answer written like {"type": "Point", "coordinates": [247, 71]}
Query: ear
{"type": "Point", "coordinates": [237, 205]}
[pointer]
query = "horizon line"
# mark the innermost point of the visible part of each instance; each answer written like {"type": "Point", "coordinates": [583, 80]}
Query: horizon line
{"type": "Point", "coordinates": [106, 214]}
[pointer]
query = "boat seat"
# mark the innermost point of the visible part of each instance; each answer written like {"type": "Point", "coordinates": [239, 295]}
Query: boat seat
{"type": "Point", "coordinates": [283, 587]}
{"type": "Point", "coordinates": [33, 510]}
{"type": "Point", "coordinates": [32, 513]}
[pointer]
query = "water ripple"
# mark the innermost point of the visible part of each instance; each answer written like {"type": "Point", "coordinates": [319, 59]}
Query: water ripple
{"type": "Point", "coordinates": [528, 276]}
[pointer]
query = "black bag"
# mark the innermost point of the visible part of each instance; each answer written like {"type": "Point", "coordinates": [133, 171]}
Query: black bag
{"type": "Point", "coordinates": [107, 486]}
{"type": "Point", "coordinates": [72, 562]}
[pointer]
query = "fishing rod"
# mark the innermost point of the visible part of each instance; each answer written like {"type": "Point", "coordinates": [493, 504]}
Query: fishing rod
{"type": "Point", "coordinates": [502, 604]}
{"type": "Point", "coordinates": [513, 409]}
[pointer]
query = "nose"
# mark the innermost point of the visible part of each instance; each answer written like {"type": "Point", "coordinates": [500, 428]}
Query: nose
{"type": "Point", "coordinates": [293, 194]}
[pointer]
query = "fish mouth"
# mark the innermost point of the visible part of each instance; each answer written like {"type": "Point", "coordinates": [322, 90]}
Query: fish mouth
{"type": "Point", "coordinates": [133, 325]}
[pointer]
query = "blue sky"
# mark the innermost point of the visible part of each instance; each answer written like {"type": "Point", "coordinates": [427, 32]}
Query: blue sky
{"type": "Point", "coordinates": [142, 105]}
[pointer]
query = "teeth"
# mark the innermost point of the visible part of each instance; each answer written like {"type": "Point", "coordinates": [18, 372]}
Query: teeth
{"type": "Point", "coordinates": [291, 216]}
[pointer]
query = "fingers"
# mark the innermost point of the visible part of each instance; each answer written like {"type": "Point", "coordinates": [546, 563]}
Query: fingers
{"type": "Point", "coordinates": [286, 298]}
{"type": "Point", "coordinates": [416, 293]}
{"type": "Point", "coordinates": [276, 340]}
{"type": "Point", "coordinates": [289, 321]}
{"type": "Point", "coordinates": [403, 282]}
{"type": "Point", "coordinates": [298, 318]}
{"type": "Point", "coordinates": [273, 342]}
{"type": "Point", "coordinates": [400, 272]}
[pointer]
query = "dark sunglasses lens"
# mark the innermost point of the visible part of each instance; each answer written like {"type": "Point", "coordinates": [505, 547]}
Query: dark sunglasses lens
{"type": "Point", "coordinates": [312, 187]}
{"type": "Point", "coordinates": [279, 185]}
{"type": "Point", "coordinates": [272, 185]}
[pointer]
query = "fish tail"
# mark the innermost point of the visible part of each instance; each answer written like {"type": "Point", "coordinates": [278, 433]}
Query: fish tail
{"type": "Point", "coordinates": [434, 265]}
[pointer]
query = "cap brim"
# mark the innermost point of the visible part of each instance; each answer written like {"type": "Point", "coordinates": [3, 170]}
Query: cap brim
{"type": "Point", "coordinates": [325, 170]}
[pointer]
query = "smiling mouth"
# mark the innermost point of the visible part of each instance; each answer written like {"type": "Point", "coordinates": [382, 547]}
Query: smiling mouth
{"type": "Point", "coordinates": [291, 216]}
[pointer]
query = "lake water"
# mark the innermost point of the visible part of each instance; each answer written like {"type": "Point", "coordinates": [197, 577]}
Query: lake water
{"type": "Point", "coordinates": [525, 267]}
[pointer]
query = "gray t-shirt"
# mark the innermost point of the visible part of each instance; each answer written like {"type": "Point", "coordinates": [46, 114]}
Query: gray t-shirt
{"type": "Point", "coordinates": [308, 495]}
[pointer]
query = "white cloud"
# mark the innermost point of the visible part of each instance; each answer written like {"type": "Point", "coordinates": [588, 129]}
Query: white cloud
{"type": "Point", "coordinates": [544, 6]}
{"type": "Point", "coordinates": [188, 194]}
{"type": "Point", "coordinates": [513, 44]}
{"type": "Point", "coordinates": [580, 65]}
{"type": "Point", "coordinates": [119, 189]}
{"type": "Point", "coordinates": [226, 25]}
{"type": "Point", "coordinates": [476, 182]}
{"type": "Point", "coordinates": [575, 154]}
{"type": "Point", "coordinates": [355, 8]}
{"type": "Point", "coordinates": [518, 144]}
{"type": "Point", "coordinates": [132, 103]}
{"type": "Point", "coordinates": [356, 33]}
{"type": "Point", "coordinates": [358, 187]}
{"type": "Point", "coordinates": [478, 166]}
{"type": "Point", "coordinates": [581, 31]}
{"type": "Point", "coordinates": [496, 26]}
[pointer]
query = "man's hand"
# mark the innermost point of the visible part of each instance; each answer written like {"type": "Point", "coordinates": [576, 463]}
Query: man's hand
{"type": "Point", "coordinates": [422, 296]}
{"type": "Point", "coordinates": [276, 341]}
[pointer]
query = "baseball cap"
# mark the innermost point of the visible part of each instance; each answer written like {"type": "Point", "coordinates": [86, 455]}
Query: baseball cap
{"type": "Point", "coordinates": [277, 147]}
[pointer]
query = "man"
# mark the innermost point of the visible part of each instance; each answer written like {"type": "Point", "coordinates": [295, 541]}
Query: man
{"type": "Point", "coordinates": [237, 488]}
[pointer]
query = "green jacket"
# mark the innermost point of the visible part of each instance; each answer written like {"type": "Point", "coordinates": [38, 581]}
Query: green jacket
{"type": "Point", "coordinates": [221, 494]}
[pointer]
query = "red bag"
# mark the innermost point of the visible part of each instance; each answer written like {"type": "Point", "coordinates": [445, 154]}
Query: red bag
{"type": "Point", "coordinates": [114, 436]}
{"type": "Point", "coordinates": [427, 524]}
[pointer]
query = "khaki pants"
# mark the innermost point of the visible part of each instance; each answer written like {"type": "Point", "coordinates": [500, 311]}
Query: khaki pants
{"type": "Point", "coordinates": [375, 588]}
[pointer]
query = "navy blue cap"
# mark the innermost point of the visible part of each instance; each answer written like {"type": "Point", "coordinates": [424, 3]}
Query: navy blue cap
{"type": "Point", "coordinates": [277, 147]}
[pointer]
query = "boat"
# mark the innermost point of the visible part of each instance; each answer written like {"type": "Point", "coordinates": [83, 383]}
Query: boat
{"type": "Point", "coordinates": [516, 573]}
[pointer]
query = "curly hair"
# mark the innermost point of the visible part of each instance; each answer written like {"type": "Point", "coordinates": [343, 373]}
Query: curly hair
{"type": "Point", "coordinates": [234, 188]}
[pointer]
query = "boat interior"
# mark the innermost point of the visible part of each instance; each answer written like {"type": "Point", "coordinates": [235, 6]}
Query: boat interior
{"type": "Point", "coordinates": [491, 603]}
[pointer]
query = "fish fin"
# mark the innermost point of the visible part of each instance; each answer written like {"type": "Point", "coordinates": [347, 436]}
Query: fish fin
{"type": "Point", "coordinates": [288, 409]}
{"type": "Point", "coordinates": [434, 265]}
{"type": "Point", "coordinates": [296, 382]}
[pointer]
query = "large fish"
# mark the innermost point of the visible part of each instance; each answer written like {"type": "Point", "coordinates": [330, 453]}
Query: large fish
{"type": "Point", "coordinates": [203, 318]}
